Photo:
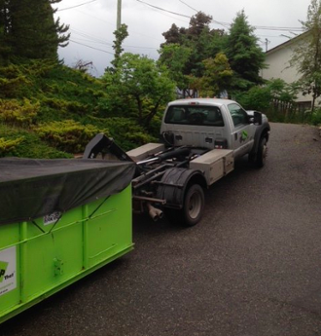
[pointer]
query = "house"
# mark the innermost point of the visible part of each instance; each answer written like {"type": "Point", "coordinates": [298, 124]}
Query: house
{"type": "Point", "coordinates": [278, 63]}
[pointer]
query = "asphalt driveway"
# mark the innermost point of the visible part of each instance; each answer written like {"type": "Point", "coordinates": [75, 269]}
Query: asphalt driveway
{"type": "Point", "coordinates": [252, 267]}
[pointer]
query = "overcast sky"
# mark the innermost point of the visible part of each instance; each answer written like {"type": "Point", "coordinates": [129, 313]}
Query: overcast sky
{"type": "Point", "coordinates": [92, 23]}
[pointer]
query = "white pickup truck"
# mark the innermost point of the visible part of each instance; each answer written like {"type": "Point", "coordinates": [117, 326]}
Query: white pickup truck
{"type": "Point", "coordinates": [200, 140]}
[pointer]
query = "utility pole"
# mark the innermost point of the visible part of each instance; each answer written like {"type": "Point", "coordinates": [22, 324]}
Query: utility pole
{"type": "Point", "coordinates": [118, 14]}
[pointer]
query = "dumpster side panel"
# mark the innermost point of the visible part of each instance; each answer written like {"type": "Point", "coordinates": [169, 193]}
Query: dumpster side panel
{"type": "Point", "coordinates": [104, 240]}
{"type": "Point", "coordinates": [40, 257]}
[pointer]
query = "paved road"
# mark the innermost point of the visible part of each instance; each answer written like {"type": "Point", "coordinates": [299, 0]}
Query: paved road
{"type": "Point", "coordinates": [252, 267]}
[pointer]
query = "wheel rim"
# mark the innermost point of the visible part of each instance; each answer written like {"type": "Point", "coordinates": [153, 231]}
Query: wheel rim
{"type": "Point", "coordinates": [264, 151]}
{"type": "Point", "coordinates": [194, 205]}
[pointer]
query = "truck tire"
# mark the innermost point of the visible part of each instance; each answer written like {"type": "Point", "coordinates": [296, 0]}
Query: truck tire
{"type": "Point", "coordinates": [261, 153]}
{"type": "Point", "coordinates": [192, 210]}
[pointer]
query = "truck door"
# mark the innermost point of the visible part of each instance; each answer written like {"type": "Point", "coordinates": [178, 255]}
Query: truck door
{"type": "Point", "coordinates": [242, 131]}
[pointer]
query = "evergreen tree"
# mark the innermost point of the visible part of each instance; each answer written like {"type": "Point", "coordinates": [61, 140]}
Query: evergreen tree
{"type": "Point", "coordinates": [245, 56]}
{"type": "Point", "coordinates": [4, 19]}
{"type": "Point", "coordinates": [30, 30]}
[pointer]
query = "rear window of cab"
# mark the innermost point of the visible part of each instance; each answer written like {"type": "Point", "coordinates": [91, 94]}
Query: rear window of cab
{"type": "Point", "coordinates": [194, 115]}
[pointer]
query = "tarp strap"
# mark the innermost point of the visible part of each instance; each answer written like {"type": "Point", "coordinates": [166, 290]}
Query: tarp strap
{"type": "Point", "coordinates": [98, 207]}
{"type": "Point", "coordinates": [37, 226]}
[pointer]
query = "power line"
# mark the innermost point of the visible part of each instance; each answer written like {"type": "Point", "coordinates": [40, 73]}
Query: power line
{"type": "Point", "coordinates": [164, 10]}
{"type": "Point", "coordinates": [170, 16]}
{"type": "Point", "coordinates": [131, 31]}
{"type": "Point", "coordinates": [224, 24]}
{"type": "Point", "coordinates": [86, 45]}
{"type": "Point", "coordinates": [93, 39]}
{"type": "Point", "coordinates": [189, 6]}
{"type": "Point", "coordinates": [83, 4]}
{"type": "Point", "coordinates": [279, 28]}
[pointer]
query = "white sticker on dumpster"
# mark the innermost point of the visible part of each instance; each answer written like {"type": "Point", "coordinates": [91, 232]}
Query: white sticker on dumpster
{"type": "Point", "coordinates": [8, 270]}
{"type": "Point", "coordinates": [51, 218]}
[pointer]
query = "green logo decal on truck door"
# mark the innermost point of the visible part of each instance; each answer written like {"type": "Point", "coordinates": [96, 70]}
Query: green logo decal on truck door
{"type": "Point", "coordinates": [244, 135]}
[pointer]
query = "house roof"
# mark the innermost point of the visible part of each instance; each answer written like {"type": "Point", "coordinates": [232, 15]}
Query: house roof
{"type": "Point", "coordinates": [288, 43]}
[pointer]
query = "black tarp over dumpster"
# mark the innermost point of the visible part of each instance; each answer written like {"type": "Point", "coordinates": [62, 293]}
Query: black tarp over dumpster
{"type": "Point", "coordinates": [33, 188]}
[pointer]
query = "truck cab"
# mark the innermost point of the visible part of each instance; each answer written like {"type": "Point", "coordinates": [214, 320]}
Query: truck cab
{"type": "Point", "coordinates": [212, 124]}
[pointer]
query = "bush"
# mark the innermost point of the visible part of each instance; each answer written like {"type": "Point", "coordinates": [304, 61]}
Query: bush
{"type": "Point", "coordinates": [18, 113]}
{"type": "Point", "coordinates": [20, 143]}
{"type": "Point", "coordinates": [64, 106]}
{"type": "Point", "coordinates": [12, 81]}
{"type": "Point", "coordinates": [257, 98]}
{"type": "Point", "coordinates": [316, 117]}
{"type": "Point", "coordinates": [127, 133]}
{"type": "Point", "coordinates": [69, 136]}
{"type": "Point", "coordinates": [6, 146]}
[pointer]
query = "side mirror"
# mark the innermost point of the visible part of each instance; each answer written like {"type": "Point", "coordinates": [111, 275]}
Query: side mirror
{"type": "Point", "coordinates": [257, 118]}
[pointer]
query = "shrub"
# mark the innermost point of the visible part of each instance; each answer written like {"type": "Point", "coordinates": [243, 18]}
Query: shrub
{"type": "Point", "coordinates": [6, 146]}
{"type": "Point", "coordinates": [68, 135]}
{"type": "Point", "coordinates": [257, 98]}
{"type": "Point", "coordinates": [65, 106]}
{"type": "Point", "coordinates": [127, 133]}
{"type": "Point", "coordinates": [316, 117]}
{"type": "Point", "coordinates": [18, 113]}
{"type": "Point", "coordinates": [21, 143]}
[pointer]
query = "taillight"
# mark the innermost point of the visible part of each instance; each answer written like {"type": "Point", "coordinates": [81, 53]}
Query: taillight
{"type": "Point", "coordinates": [220, 144]}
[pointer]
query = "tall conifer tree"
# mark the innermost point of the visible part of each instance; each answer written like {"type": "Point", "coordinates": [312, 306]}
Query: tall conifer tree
{"type": "Point", "coordinates": [245, 56]}
{"type": "Point", "coordinates": [4, 25]}
{"type": "Point", "coordinates": [30, 30]}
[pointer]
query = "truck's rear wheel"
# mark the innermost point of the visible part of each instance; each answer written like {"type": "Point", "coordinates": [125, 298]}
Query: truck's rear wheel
{"type": "Point", "coordinates": [192, 210]}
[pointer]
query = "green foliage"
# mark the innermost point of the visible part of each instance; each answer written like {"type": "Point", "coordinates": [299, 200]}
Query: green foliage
{"type": "Point", "coordinates": [261, 98]}
{"type": "Point", "coordinates": [245, 56]}
{"type": "Point", "coordinates": [316, 117]}
{"type": "Point", "coordinates": [217, 76]}
{"type": "Point", "coordinates": [199, 43]}
{"type": "Point", "coordinates": [127, 133]}
{"type": "Point", "coordinates": [18, 113]}
{"type": "Point", "coordinates": [185, 50]}
{"type": "Point", "coordinates": [12, 80]}
{"type": "Point", "coordinates": [61, 109]}
{"type": "Point", "coordinates": [64, 106]}
{"type": "Point", "coordinates": [140, 83]}
{"type": "Point", "coordinates": [40, 92]}
{"type": "Point", "coordinates": [175, 58]}
{"type": "Point", "coordinates": [257, 98]}
{"type": "Point", "coordinates": [67, 135]}
{"type": "Point", "coordinates": [120, 34]}
{"type": "Point", "coordinates": [28, 30]}
{"type": "Point", "coordinates": [6, 146]}
{"type": "Point", "coordinates": [307, 53]}
{"type": "Point", "coordinates": [21, 143]}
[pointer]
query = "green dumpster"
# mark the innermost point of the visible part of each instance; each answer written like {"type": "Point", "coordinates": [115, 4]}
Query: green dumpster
{"type": "Point", "coordinates": [59, 221]}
